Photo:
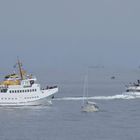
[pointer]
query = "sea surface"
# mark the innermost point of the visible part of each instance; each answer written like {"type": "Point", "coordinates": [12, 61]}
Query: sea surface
{"type": "Point", "coordinates": [117, 119]}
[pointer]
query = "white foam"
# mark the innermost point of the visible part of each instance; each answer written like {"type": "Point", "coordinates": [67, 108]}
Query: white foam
{"type": "Point", "coordinates": [119, 96]}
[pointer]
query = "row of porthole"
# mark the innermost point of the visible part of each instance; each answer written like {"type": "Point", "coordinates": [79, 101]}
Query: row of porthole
{"type": "Point", "coordinates": [8, 98]}
{"type": "Point", "coordinates": [16, 98]}
{"type": "Point", "coordinates": [22, 91]}
{"type": "Point", "coordinates": [31, 97]}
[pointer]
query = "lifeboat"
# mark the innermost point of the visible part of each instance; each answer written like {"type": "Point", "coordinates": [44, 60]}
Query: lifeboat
{"type": "Point", "coordinates": [11, 79]}
{"type": "Point", "coordinates": [12, 76]}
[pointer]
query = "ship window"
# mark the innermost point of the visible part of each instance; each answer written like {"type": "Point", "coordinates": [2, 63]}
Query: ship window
{"type": "Point", "coordinates": [10, 91]}
{"type": "Point", "coordinates": [4, 90]}
{"type": "Point", "coordinates": [35, 89]}
{"type": "Point", "coordinates": [1, 98]}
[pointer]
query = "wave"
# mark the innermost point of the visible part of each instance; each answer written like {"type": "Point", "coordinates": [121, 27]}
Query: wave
{"type": "Point", "coordinates": [119, 96]}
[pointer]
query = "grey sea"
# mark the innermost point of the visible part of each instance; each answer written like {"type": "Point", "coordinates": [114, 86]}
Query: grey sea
{"type": "Point", "coordinates": [117, 119]}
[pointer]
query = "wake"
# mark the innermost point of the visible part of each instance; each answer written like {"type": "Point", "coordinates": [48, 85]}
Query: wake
{"type": "Point", "coordinates": [121, 96]}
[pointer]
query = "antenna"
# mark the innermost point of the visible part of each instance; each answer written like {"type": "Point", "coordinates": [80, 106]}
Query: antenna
{"type": "Point", "coordinates": [85, 88]}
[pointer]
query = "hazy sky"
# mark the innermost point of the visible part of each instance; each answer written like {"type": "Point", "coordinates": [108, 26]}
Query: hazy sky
{"type": "Point", "coordinates": [69, 34]}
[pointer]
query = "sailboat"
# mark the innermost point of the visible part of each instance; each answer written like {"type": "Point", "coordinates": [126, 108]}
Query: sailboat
{"type": "Point", "coordinates": [88, 106]}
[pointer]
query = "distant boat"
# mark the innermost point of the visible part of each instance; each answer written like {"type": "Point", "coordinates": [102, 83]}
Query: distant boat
{"type": "Point", "coordinates": [113, 77]}
{"type": "Point", "coordinates": [88, 106]}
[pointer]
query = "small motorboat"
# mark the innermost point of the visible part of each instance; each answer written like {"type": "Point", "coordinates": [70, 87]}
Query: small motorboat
{"type": "Point", "coordinates": [133, 89]}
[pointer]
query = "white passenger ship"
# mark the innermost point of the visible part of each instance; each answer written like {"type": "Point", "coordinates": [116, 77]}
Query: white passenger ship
{"type": "Point", "coordinates": [22, 89]}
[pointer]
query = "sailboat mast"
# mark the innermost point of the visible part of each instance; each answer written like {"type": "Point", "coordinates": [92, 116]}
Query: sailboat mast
{"type": "Point", "coordinates": [20, 70]}
{"type": "Point", "coordinates": [85, 88]}
{"type": "Point", "coordinates": [87, 82]}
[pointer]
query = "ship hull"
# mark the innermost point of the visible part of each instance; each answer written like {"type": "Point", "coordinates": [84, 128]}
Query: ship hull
{"type": "Point", "coordinates": [132, 93]}
{"type": "Point", "coordinates": [43, 97]}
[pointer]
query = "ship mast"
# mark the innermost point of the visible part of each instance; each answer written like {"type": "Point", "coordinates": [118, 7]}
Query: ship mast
{"type": "Point", "coordinates": [20, 70]}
